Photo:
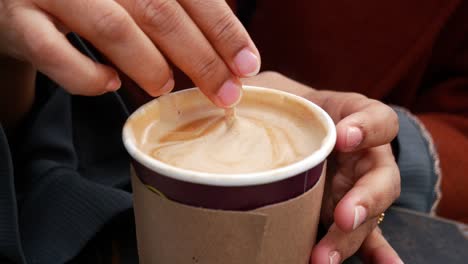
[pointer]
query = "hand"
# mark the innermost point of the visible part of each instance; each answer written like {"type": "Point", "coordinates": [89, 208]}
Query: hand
{"type": "Point", "coordinates": [201, 37]}
{"type": "Point", "coordinates": [362, 180]}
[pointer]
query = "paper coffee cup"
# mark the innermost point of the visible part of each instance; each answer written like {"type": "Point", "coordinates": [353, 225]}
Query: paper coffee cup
{"type": "Point", "coordinates": [227, 191]}
{"type": "Point", "coordinates": [264, 217]}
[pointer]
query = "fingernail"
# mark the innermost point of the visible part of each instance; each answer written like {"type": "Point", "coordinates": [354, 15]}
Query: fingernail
{"type": "Point", "coordinates": [247, 63]}
{"type": "Point", "coordinates": [353, 137]}
{"type": "Point", "coordinates": [360, 215]}
{"type": "Point", "coordinates": [229, 94]}
{"type": "Point", "coordinates": [399, 261]}
{"type": "Point", "coordinates": [334, 257]}
{"type": "Point", "coordinates": [167, 87]}
{"type": "Point", "coordinates": [114, 84]}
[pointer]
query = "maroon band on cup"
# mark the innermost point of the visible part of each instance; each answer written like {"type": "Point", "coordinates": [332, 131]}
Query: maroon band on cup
{"type": "Point", "coordinates": [240, 198]}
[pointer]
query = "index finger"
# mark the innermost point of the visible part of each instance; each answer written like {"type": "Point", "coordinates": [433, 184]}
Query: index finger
{"type": "Point", "coordinates": [175, 33]}
{"type": "Point", "coordinates": [226, 34]}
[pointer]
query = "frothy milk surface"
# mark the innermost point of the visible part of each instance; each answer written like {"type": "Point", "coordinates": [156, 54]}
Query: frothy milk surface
{"type": "Point", "coordinates": [266, 132]}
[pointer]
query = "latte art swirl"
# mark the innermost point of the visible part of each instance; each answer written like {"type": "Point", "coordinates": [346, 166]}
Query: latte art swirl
{"type": "Point", "coordinates": [255, 139]}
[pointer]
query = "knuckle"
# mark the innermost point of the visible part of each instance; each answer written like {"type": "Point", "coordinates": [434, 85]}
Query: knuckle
{"type": "Point", "coordinates": [162, 16]}
{"type": "Point", "coordinates": [396, 192]}
{"type": "Point", "coordinates": [11, 7]}
{"type": "Point", "coordinates": [363, 166]}
{"type": "Point", "coordinates": [359, 97]}
{"type": "Point", "coordinates": [42, 50]}
{"type": "Point", "coordinates": [374, 201]}
{"type": "Point", "coordinates": [377, 103]}
{"type": "Point", "coordinates": [226, 30]}
{"type": "Point", "coordinates": [370, 198]}
{"type": "Point", "coordinates": [374, 104]}
{"type": "Point", "coordinates": [113, 25]}
{"type": "Point", "coordinates": [393, 120]}
{"type": "Point", "coordinates": [390, 118]}
{"type": "Point", "coordinates": [207, 67]}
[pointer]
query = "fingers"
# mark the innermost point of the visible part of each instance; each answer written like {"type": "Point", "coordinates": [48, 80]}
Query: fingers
{"type": "Point", "coordinates": [361, 122]}
{"type": "Point", "coordinates": [112, 31]}
{"type": "Point", "coordinates": [372, 125]}
{"type": "Point", "coordinates": [226, 34]}
{"type": "Point", "coordinates": [336, 245]}
{"type": "Point", "coordinates": [376, 249]}
{"type": "Point", "coordinates": [372, 193]}
{"type": "Point", "coordinates": [176, 34]}
{"type": "Point", "coordinates": [203, 38]}
{"type": "Point", "coordinates": [50, 52]}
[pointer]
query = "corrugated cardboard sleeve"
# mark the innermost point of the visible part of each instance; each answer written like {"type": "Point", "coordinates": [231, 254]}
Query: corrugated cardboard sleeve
{"type": "Point", "coordinates": [173, 233]}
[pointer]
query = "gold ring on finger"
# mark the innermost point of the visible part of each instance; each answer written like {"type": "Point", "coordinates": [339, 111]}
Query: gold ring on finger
{"type": "Point", "coordinates": [381, 218]}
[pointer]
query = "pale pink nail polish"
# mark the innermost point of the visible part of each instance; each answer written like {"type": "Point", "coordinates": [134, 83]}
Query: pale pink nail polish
{"type": "Point", "coordinates": [360, 215]}
{"type": "Point", "coordinates": [354, 137]}
{"type": "Point", "coordinates": [229, 94]}
{"type": "Point", "coordinates": [334, 257]}
{"type": "Point", "coordinates": [247, 63]}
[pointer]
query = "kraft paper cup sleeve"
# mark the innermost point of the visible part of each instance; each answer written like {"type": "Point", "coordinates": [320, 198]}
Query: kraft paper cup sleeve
{"type": "Point", "coordinates": [172, 233]}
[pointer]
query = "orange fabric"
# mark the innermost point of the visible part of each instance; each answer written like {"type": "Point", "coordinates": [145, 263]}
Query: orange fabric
{"type": "Point", "coordinates": [409, 53]}
{"type": "Point", "coordinates": [452, 145]}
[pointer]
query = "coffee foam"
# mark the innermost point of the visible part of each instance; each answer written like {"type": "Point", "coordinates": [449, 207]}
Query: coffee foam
{"type": "Point", "coordinates": [267, 131]}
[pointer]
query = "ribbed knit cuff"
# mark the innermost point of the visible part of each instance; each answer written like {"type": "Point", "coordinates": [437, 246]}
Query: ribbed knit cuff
{"type": "Point", "coordinates": [64, 213]}
{"type": "Point", "coordinates": [419, 164]}
{"type": "Point", "coordinates": [10, 246]}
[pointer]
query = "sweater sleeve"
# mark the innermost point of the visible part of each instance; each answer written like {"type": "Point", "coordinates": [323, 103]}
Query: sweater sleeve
{"type": "Point", "coordinates": [450, 135]}
{"type": "Point", "coordinates": [10, 246]}
{"type": "Point", "coordinates": [443, 109]}
{"type": "Point", "coordinates": [418, 163]}
{"type": "Point", "coordinates": [63, 179]}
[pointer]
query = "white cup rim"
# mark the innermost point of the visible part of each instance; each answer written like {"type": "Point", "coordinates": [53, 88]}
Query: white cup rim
{"type": "Point", "coordinates": [238, 179]}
